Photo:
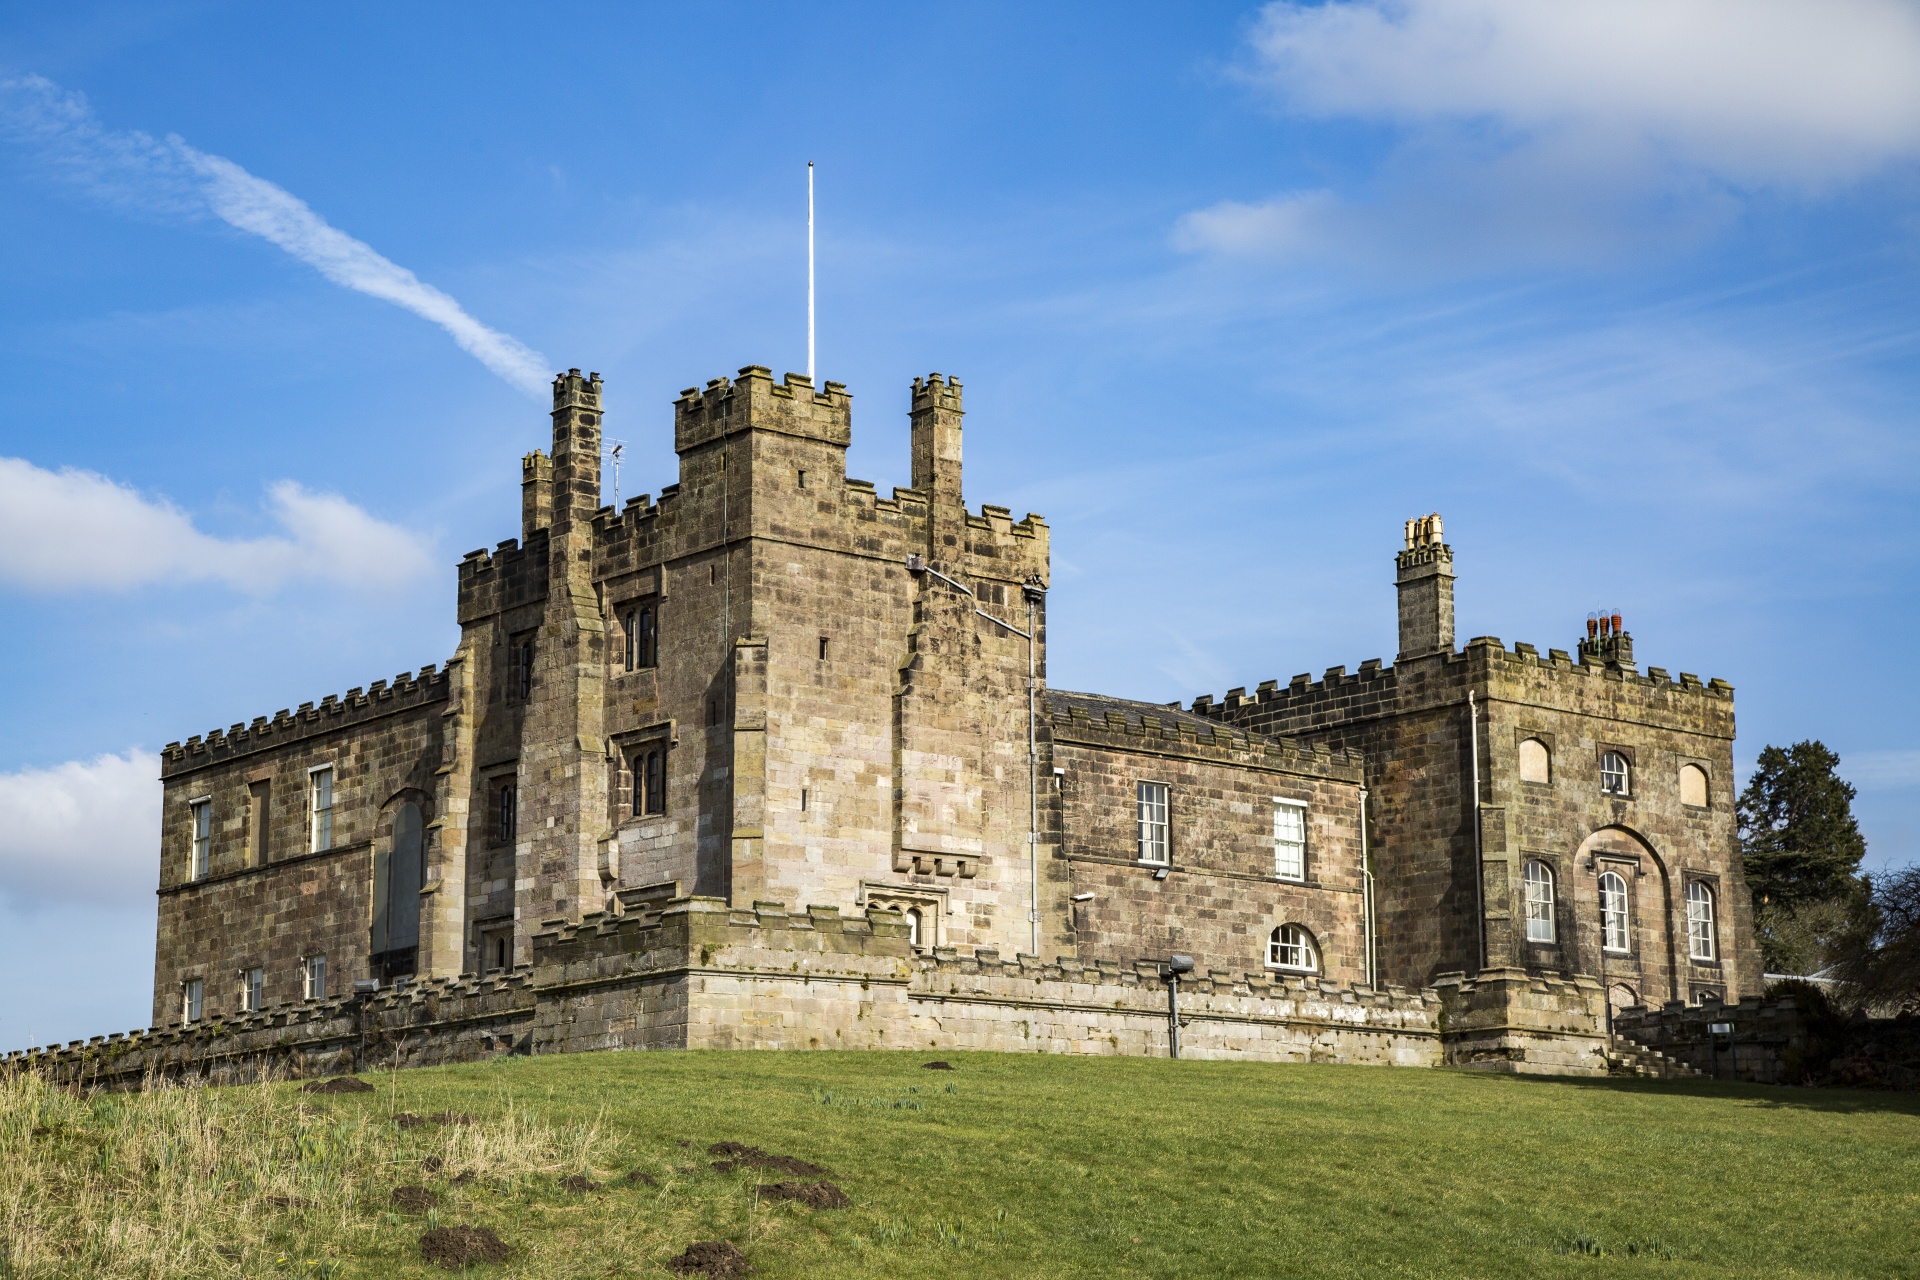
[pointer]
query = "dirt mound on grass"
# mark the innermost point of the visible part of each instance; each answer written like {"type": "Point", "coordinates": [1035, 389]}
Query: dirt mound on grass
{"type": "Point", "coordinates": [641, 1175]}
{"type": "Point", "coordinates": [451, 1117]}
{"type": "Point", "coordinates": [815, 1195]}
{"type": "Point", "coordinates": [413, 1199]}
{"type": "Point", "coordinates": [339, 1084]}
{"type": "Point", "coordinates": [710, 1258]}
{"type": "Point", "coordinates": [456, 1247]}
{"type": "Point", "coordinates": [936, 1066]}
{"type": "Point", "coordinates": [578, 1183]}
{"type": "Point", "coordinates": [740, 1156]}
{"type": "Point", "coordinates": [408, 1120]}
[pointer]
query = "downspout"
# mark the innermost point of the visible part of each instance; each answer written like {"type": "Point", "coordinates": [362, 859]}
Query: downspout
{"type": "Point", "coordinates": [1479, 888]}
{"type": "Point", "coordinates": [1366, 902]}
{"type": "Point", "coordinates": [1033, 792]}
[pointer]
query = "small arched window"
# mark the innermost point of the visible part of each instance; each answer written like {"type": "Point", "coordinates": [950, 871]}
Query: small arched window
{"type": "Point", "coordinates": [643, 637]}
{"type": "Point", "coordinates": [1614, 935]}
{"type": "Point", "coordinates": [1291, 947]}
{"type": "Point", "coordinates": [1538, 877]}
{"type": "Point", "coordinates": [1700, 920]}
{"type": "Point", "coordinates": [1614, 774]}
{"type": "Point", "coordinates": [913, 926]}
{"type": "Point", "coordinates": [1693, 786]}
{"type": "Point", "coordinates": [1536, 762]}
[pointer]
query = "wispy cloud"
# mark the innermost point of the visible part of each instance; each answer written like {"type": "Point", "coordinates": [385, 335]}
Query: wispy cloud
{"type": "Point", "coordinates": [71, 529]}
{"type": "Point", "coordinates": [166, 175]}
{"type": "Point", "coordinates": [1572, 129]}
{"type": "Point", "coordinates": [1881, 770]}
{"type": "Point", "coordinates": [81, 832]}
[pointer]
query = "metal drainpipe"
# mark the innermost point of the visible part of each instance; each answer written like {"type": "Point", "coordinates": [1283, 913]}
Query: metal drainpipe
{"type": "Point", "coordinates": [1367, 905]}
{"type": "Point", "coordinates": [1033, 793]}
{"type": "Point", "coordinates": [1479, 888]}
{"type": "Point", "coordinates": [1173, 1014]}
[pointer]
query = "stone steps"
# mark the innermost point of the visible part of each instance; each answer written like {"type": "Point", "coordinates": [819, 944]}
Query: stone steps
{"type": "Point", "coordinates": [1630, 1058]}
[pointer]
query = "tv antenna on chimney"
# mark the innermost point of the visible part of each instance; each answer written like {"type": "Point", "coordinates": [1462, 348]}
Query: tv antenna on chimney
{"type": "Point", "coordinates": [809, 271]}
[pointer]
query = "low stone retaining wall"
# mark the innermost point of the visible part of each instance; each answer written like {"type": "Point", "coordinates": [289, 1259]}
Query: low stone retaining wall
{"type": "Point", "coordinates": [694, 973]}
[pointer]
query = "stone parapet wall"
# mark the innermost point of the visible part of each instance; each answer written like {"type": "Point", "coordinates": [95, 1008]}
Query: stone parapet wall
{"type": "Point", "coordinates": [1770, 1043]}
{"type": "Point", "coordinates": [695, 973]}
{"type": "Point", "coordinates": [1511, 1021]}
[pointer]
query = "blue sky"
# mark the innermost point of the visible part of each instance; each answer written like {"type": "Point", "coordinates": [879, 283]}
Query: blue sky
{"type": "Point", "coordinates": [1626, 289]}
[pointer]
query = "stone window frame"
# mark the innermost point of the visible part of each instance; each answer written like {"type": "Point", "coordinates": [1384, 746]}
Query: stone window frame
{"type": "Point", "coordinates": [1706, 770]}
{"type": "Point", "coordinates": [623, 790]}
{"type": "Point", "coordinates": [1625, 755]}
{"type": "Point", "coordinates": [1546, 739]}
{"type": "Point", "coordinates": [1305, 810]}
{"type": "Point", "coordinates": [1552, 903]}
{"type": "Point", "coordinates": [1278, 942]}
{"type": "Point", "coordinates": [1142, 824]}
{"type": "Point", "coordinates": [320, 824]}
{"type": "Point", "coordinates": [199, 847]}
{"type": "Point", "coordinates": [492, 930]}
{"type": "Point", "coordinates": [259, 847]}
{"type": "Point", "coordinates": [1618, 870]}
{"type": "Point", "coordinates": [929, 908]}
{"type": "Point", "coordinates": [503, 816]}
{"type": "Point", "coordinates": [1710, 884]}
{"type": "Point", "coordinates": [313, 976]}
{"type": "Point", "coordinates": [522, 653]}
{"type": "Point", "coordinates": [193, 999]}
{"type": "Point", "coordinates": [639, 642]}
{"type": "Point", "coordinates": [253, 988]}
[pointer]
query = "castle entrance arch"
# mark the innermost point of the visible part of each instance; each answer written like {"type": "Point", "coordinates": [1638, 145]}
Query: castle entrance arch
{"type": "Point", "coordinates": [1623, 917]}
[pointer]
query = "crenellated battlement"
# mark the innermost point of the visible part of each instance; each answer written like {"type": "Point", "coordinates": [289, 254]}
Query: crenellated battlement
{"type": "Point", "coordinates": [1110, 722]}
{"type": "Point", "coordinates": [1374, 675]}
{"type": "Point", "coordinates": [754, 401]}
{"type": "Point", "coordinates": [357, 706]}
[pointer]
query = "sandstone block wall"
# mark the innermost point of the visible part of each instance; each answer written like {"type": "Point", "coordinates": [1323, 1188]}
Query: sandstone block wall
{"type": "Point", "coordinates": [384, 745]}
{"type": "Point", "coordinates": [1220, 898]}
{"type": "Point", "coordinates": [1506, 1019]}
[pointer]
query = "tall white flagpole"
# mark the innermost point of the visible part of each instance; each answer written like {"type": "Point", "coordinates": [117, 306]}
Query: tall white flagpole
{"type": "Point", "coordinates": [809, 270]}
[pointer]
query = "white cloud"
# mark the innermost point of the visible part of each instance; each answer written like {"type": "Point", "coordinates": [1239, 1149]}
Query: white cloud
{"type": "Point", "coordinates": [84, 831]}
{"type": "Point", "coordinates": [1577, 127]}
{"type": "Point", "coordinates": [136, 170]}
{"type": "Point", "coordinates": [72, 529]}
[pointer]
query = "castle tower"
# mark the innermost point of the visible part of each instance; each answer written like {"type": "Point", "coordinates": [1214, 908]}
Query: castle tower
{"type": "Point", "coordinates": [1425, 580]}
{"type": "Point", "coordinates": [935, 416]}
{"type": "Point", "coordinates": [562, 771]}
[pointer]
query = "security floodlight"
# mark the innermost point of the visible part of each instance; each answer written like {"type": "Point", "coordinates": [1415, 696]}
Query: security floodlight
{"type": "Point", "coordinates": [1720, 1028]}
{"type": "Point", "coordinates": [365, 986]}
{"type": "Point", "coordinates": [1159, 873]}
{"type": "Point", "coordinates": [1179, 964]}
{"type": "Point", "coordinates": [1083, 897]}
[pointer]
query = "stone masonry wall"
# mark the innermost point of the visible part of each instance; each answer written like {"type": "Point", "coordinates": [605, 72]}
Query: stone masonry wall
{"type": "Point", "coordinates": [384, 746]}
{"type": "Point", "coordinates": [1220, 898]}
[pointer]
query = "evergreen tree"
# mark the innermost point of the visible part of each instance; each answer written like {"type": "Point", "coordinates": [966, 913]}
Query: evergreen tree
{"type": "Point", "coordinates": [1798, 838]}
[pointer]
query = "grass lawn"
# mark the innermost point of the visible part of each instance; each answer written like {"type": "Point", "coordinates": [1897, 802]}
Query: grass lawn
{"type": "Point", "coordinates": [1006, 1166]}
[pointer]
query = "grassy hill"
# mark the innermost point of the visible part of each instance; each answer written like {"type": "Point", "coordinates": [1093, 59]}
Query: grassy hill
{"type": "Point", "coordinates": [1004, 1166]}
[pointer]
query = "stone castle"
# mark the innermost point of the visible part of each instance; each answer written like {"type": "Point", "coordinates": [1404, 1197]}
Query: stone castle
{"type": "Point", "coordinates": [772, 685]}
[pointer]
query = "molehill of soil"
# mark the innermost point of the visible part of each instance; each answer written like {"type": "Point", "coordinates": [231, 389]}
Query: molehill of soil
{"type": "Point", "coordinates": [578, 1183]}
{"type": "Point", "coordinates": [456, 1247]}
{"type": "Point", "coordinates": [815, 1195]}
{"type": "Point", "coordinates": [740, 1156]}
{"type": "Point", "coordinates": [339, 1084]}
{"type": "Point", "coordinates": [641, 1175]}
{"type": "Point", "coordinates": [937, 1066]}
{"type": "Point", "coordinates": [413, 1199]}
{"type": "Point", "coordinates": [710, 1258]}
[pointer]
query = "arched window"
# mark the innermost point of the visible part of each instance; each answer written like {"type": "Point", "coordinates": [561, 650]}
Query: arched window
{"type": "Point", "coordinates": [1613, 913]}
{"type": "Point", "coordinates": [1536, 762]}
{"type": "Point", "coordinates": [1538, 877]}
{"type": "Point", "coordinates": [1693, 786]}
{"type": "Point", "coordinates": [1614, 779]}
{"type": "Point", "coordinates": [1291, 947]}
{"type": "Point", "coordinates": [1699, 920]}
{"type": "Point", "coordinates": [913, 926]}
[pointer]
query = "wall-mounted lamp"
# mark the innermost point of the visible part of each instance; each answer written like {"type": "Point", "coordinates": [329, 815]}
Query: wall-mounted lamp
{"type": "Point", "coordinates": [1083, 897]}
{"type": "Point", "coordinates": [1159, 873]}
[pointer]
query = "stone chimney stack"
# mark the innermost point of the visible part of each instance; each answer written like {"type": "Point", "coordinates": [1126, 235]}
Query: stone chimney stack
{"type": "Point", "coordinates": [935, 416]}
{"type": "Point", "coordinates": [1425, 579]}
